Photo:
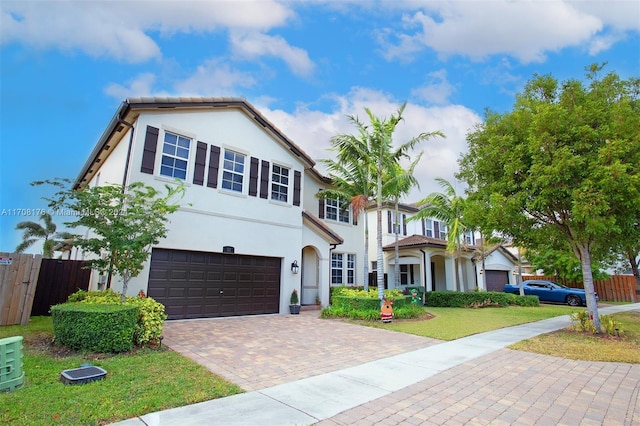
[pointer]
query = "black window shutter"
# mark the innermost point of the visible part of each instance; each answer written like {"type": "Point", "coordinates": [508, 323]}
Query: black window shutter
{"type": "Point", "coordinates": [424, 227]}
{"type": "Point", "coordinates": [355, 218]}
{"type": "Point", "coordinates": [214, 164]}
{"type": "Point", "coordinates": [436, 229]}
{"type": "Point", "coordinates": [297, 176]}
{"type": "Point", "coordinates": [149, 152]}
{"type": "Point", "coordinates": [201, 158]}
{"type": "Point", "coordinates": [404, 224]}
{"type": "Point", "coordinates": [321, 208]}
{"type": "Point", "coordinates": [389, 224]}
{"type": "Point", "coordinates": [264, 180]}
{"type": "Point", "coordinates": [253, 177]}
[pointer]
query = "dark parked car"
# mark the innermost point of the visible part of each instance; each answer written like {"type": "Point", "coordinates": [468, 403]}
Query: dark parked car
{"type": "Point", "coordinates": [548, 291]}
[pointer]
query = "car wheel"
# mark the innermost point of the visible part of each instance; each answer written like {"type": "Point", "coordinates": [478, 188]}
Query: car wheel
{"type": "Point", "coordinates": [573, 300]}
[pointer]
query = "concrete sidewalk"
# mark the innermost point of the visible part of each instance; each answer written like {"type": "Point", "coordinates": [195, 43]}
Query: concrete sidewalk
{"type": "Point", "coordinates": [469, 380]}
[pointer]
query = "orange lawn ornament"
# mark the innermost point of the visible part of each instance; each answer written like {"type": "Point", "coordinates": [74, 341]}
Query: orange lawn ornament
{"type": "Point", "coordinates": [386, 310]}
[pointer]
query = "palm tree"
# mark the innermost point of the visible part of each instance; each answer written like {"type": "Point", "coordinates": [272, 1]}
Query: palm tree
{"type": "Point", "coordinates": [353, 184]}
{"type": "Point", "coordinates": [399, 182]}
{"type": "Point", "coordinates": [33, 231]}
{"type": "Point", "coordinates": [373, 149]}
{"type": "Point", "coordinates": [447, 207]}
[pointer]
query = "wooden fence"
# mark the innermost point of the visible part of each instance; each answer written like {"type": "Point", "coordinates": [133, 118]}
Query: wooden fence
{"type": "Point", "coordinates": [59, 279]}
{"type": "Point", "coordinates": [18, 278]}
{"type": "Point", "coordinates": [618, 288]}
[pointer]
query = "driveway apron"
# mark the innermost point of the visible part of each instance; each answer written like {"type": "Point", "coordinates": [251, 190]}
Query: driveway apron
{"type": "Point", "coordinates": [257, 352]}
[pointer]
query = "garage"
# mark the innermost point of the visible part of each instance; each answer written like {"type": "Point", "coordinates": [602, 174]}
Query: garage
{"type": "Point", "coordinates": [194, 284]}
{"type": "Point", "coordinates": [496, 280]}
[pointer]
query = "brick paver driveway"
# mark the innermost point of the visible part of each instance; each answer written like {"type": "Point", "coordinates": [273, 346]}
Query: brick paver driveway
{"type": "Point", "coordinates": [256, 352]}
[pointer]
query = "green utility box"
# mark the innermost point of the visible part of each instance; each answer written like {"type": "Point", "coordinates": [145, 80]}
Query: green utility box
{"type": "Point", "coordinates": [11, 374]}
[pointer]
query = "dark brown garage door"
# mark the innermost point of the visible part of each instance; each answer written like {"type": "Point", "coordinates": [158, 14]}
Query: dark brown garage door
{"type": "Point", "coordinates": [496, 280]}
{"type": "Point", "coordinates": [202, 285]}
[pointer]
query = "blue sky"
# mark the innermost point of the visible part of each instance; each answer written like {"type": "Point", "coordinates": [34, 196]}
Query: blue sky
{"type": "Point", "coordinates": [66, 66]}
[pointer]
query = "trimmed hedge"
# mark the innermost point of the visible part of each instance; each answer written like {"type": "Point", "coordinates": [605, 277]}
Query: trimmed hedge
{"type": "Point", "coordinates": [98, 328]}
{"type": "Point", "coordinates": [151, 317]}
{"type": "Point", "coordinates": [454, 299]}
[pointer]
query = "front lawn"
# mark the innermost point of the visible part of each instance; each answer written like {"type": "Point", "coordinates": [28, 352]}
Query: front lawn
{"type": "Point", "coordinates": [454, 323]}
{"type": "Point", "coordinates": [137, 383]}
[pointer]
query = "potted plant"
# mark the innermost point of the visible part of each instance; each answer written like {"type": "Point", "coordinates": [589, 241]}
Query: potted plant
{"type": "Point", "coordinates": [294, 306]}
{"type": "Point", "coordinates": [318, 299]}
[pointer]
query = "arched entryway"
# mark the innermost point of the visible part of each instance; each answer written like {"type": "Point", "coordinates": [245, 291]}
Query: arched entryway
{"type": "Point", "coordinates": [310, 275]}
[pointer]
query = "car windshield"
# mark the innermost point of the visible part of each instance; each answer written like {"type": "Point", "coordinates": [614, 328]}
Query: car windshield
{"type": "Point", "coordinates": [556, 285]}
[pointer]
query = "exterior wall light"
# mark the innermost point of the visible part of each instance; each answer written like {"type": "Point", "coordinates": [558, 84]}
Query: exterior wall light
{"type": "Point", "coordinates": [294, 267]}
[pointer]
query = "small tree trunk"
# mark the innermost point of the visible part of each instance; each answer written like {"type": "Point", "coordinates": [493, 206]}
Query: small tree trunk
{"type": "Point", "coordinates": [396, 269]}
{"type": "Point", "coordinates": [587, 277]}
{"type": "Point", "coordinates": [366, 250]}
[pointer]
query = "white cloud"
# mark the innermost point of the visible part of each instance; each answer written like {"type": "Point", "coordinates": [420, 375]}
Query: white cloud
{"type": "Point", "coordinates": [140, 86]}
{"type": "Point", "coordinates": [526, 30]}
{"type": "Point", "coordinates": [121, 30]}
{"type": "Point", "coordinates": [254, 45]}
{"type": "Point", "coordinates": [214, 78]}
{"type": "Point", "coordinates": [312, 131]}
{"type": "Point", "coordinates": [437, 90]}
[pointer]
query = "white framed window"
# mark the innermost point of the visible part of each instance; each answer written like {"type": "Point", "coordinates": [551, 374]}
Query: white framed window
{"type": "Point", "coordinates": [280, 183]}
{"type": "Point", "coordinates": [467, 237]}
{"type": "Point", "coordinates": [233, 171]}
{"type": "Point", "coordinates": [443, 231]}
{"type": "Point", "coordinates": [336, 269]}
{"type": "Point", "coordinates": [335, 211]}
{"type": "Point", "coordinates": [175, 156]}
{"type": "Point", "coordinates": [343, 269]}
{"type": "Point", "coordinates": [351, 269]}
{"type": "Point", "coordinates": [404, 274]}
{"type": "Point", "coordinates": [428, 228]}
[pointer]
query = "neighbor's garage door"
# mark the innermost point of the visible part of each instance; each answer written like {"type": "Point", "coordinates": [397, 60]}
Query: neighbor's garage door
{"type": "Point", "coordinates": [201, 285]}
{"type": "Point", "coordinates": [496, 280]}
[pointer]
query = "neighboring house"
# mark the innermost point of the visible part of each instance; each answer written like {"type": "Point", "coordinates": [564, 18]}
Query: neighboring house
{"type": "Point", "coordinates": [423, 256]}
{"type": "Point", "coordinates": [250, 213]}
{"type": "Point", "coordinates": [501, 267]}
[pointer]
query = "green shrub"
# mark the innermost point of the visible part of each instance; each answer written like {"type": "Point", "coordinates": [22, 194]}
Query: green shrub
{"type": "Point", "coordinates": [409, 311]}
{"type": "Point", "coordinates": [98, 328]}
{"type": "Point", "coordinates": [609, 325]}
{"type": "Point", "coordinates": [150, 321]}
{"type": "Point", "coordinates": [455, 299]}
{"type": "Point", "coordinates": [151, 313]}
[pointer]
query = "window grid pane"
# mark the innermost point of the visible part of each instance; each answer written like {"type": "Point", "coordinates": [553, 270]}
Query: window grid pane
{"type": "Point", "coordinates": [175, 156]}
{"type": "Point", "coordinates": [336, 269]}
{"type": "Point", "coordinates": [233, 171]}
{"type": "Point", "coordinates": [280, 183]}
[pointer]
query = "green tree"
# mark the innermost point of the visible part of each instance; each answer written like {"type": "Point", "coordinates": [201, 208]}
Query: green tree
{"type": "Point", "coordinates": [33, 232]}
{"type": "Point", "coordinates": [398, 183]}
{"type": "Point", "coordinates": [447, 207]}
{"type": "Point", "coordinates": [352, 183]}
{"type": "Point", "coordinates": [123, 224]}
{"type": "Point", "coordinates": [374, 150]}
{"type": "Point", "coordinates": [564, 162]}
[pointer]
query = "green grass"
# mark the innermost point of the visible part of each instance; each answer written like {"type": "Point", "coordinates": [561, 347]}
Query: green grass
{"type": "Point", "coordinates": [454, 323]}
{"type": "Point", "coordinates": [587, 347]}
{"type": "Point", "coordinates": [137, 383]}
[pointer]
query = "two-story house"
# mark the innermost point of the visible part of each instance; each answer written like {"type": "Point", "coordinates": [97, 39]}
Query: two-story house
{"type": "Point", "coordinates": [251, 228]}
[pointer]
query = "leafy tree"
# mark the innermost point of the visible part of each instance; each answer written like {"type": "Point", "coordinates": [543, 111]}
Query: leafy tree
{"type": "Point", "coordinates": [33, 231]}
{"type": "Point", "coordinates": [122, 224]}
{"type": "Point", "coordinates": [398, 183]}
{"type": "Point", "coordinates": [374, 150]}
{"type": "Point", "coordinates": [352, 182]}
{"type": "Point", "coordinates": [563, 162]}
{"type": "Point", "coordinates": [448, 207]}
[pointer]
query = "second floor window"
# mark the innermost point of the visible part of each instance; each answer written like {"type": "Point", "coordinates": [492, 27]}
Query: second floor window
{"type": "Point", "coordinates": [233, 171]}
{"type": "Point", "coordinates": [175, 156]}
{"type": "Point", "coordinates": [279, 183]}
{"type": "Point", "coordinates": [428, 228]}
{"type": "Point", "coordinates": [335, 211]}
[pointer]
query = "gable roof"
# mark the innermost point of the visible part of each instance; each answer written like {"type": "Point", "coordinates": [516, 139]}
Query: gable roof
{"type": "Point", "coordinates": [418, 241]}
{"type": "Point", "coordinates": [321, 228]}
{"type": "Point", "coordinates": [129, 110]}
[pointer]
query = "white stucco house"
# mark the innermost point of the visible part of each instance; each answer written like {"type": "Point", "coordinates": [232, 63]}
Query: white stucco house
{"type": "Point", "coordinates": [250, 228]}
